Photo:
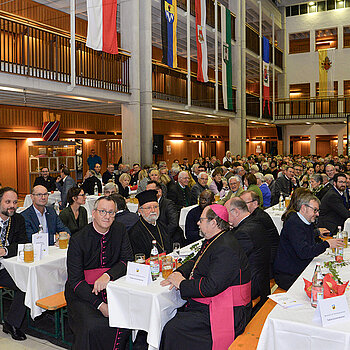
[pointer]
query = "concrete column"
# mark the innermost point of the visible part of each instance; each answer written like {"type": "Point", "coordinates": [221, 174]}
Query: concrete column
{"type": "Point", "coordinates": [340, 143]}
{"type": "Point", "coordinates": [286, 140]}
{"type": "Point", "coordinates": [130, 38]}
{"type": "Point", "coordinates": [235, 124]}
{"type": "Point", "coordinates": [312, 143]}
{"type": "Point", "coordinates": [243, 79]}
{"type": "Point", "coordinates": [146, 81]}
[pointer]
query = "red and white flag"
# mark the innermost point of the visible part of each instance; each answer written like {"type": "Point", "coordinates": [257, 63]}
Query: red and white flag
{"type": "Point", "coordinates": [102, 25]}
{"type": "Point", "coordinates": [201, 37]}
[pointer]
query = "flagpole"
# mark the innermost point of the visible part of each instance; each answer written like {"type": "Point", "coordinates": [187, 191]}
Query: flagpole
{"type": "Point", "coordinates": [273, 68]}
{"type": "Point", "coordinates": [260, 61]}
{"type": "Point", "coordinates": [188, 13]}
{"type": "Point", "coordinates": [72, 46]}
{"type": "Point", "coordinates": [216, 59]}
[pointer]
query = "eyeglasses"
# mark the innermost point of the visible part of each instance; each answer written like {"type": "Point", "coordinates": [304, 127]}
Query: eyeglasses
{"type": "Point", "coordinates": [103, 212]}
{"type": "Point", "coordinates": [249, 202]}
{"type": "Point", "coordinates": [40, 194]}
{"type": "Point", "coordinates": [82, 195]}
{"type": "Point", "coordinates": [202, 219]}
{"type": "Point", "coordinates": [109, 192]}
{"type": "Point", "coordinates": [314, 209]}
{"type": "Point", "coordinates": [153, 207]}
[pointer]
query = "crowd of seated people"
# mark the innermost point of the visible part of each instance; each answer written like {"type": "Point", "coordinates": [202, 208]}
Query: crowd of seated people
{"type": "Point", "coordinates": [244, 187]}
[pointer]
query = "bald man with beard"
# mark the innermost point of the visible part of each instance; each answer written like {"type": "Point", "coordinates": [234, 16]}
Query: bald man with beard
{"type": "Point", "coordinates": [148, 228]}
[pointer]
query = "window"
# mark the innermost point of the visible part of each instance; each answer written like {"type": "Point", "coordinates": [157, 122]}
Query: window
{"type": "Point", "coordinates": [330, 5]}
{"type": "Point", "coordinates": [346, 31]}
{"type": "Point", "coordinates": [295, 10]}
{"type": "Point", "coordinates": [299, 42]}
{"type": "Point", "coordinates": [321, 6]}
{"type": "Point", "coordinates": [288, 10]}
{"type": "Point", "coordinates": [303, 9]}
{"type": "Point", "coordinates": [326, 38]}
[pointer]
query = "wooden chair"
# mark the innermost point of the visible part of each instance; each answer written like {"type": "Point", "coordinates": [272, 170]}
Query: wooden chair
{"type": "Point", "coordinates": [250, 338]}
{"type": "Point", "coordinates": [5, 293]}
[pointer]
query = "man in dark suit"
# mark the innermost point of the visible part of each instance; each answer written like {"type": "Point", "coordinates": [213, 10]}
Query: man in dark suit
{"type": "Point", "coordinates": [168, 215]}
{"type": "Point", "coordinates": [109, 175]}
{"type": "Point", "coordinates": [334, 208]}
{"type": "Point", "coordinates": [68, 182]}
{"type": "Point", "coordinates": [123, 215]}
{"type": "Point", "coordinates": [45, 180]}
{"type": "Point", "coordinates": [284, 185]}
{"type": "Point", "coordinates": [252, 238]}
{"type": "Point", "coordinates": [12, 232]}
{"type": "Point", "coordinates": [179, 192]}
{"type": "Point", "coordinates": [39, 214]}
{"type": "Point", "coordinates": [253, 201]}
{"type": "Point", "coordinates": [199, 187]}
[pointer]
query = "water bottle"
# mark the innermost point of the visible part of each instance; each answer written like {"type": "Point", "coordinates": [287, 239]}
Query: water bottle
{"type": "Point", "coordinates": [281, 202]}
{"type": "Point", "coordinates": [339, 252]}
{"type": "Point", "coordinates": [317, 286]}
{"type": "Point", "coordinates": [95, 189]}
{"type": "Point", "coordinates": [154, 261]}
{"type": "Point", "coordinates": [56, 207]}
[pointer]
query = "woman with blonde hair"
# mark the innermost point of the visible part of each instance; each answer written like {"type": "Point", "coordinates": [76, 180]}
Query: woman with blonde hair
{"type": "Point", "coordinates": [123, 184]}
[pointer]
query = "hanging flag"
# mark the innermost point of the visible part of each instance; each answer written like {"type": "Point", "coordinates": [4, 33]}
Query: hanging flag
{"type": "Point", "coordinates": [226, 57]}
{"type": "Point", "coordinates": [201, 38]}
{"type": "Point", "coordinates": [102, 25]}
{"type": "Point", "coordinates": [266, 78]}
{"type": "Point", "coordinates": [169, 24]}
{"type": "Point", "coordinates": [51, 126]}
{"type": "Point", "coordinates": [326, 70]}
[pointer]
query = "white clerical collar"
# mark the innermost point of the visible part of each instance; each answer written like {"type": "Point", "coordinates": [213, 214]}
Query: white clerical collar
{"type": "Point", "coordinates": [181, 185]}
{"type": "Point", "coordinates": [341, 193]}
{"type": "Point", "coordinates": [302, 218]}
{"type": "Point", "coordinates": [101, 233]}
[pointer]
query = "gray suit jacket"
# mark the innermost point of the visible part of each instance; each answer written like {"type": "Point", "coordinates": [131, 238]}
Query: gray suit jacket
{"type": "Point", "coordinates": [67, 184]}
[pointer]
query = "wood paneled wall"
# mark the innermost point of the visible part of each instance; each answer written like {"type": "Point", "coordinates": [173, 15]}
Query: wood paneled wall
{"type": "Point", "coordinates": [22, 167]}
{"type": "Point", "coordinates": [44, 14]}
{"type": "Point", "coordinates": [8, 173]}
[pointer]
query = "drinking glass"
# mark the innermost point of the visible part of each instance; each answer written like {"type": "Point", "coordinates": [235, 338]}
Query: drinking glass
{"type": "Point", "coordinates": [63, 240]}
{"type": "Point", "coordinates": [140, 258]}
{"type": "Point", "coordinates": [176, 248]}
{"type": "Point", "coordinates": [167, 266]}
{"type": "Point", "coordinates": [28, 252]}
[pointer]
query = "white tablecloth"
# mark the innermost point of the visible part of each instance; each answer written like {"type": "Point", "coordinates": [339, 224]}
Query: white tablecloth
{"type": "Point", "coordinates": [276, 215]}
{"type": "Point", "coordinates": [183, 214]}
{"type": "Point", "coordinates": [146, 308]}
{"type": "Point", "coordinates": [39, 279]}
{"type": "Point", "coordinates": [294, 328]}
{"type": "Point", "coordinates": [51, 200]}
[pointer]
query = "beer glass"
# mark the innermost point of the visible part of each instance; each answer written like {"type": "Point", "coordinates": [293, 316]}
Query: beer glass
{"type": "Point", "coordinates": [28, 252]}
{"type": "Point", "coordinates": [167, 266]}
{"type": "Point", "coordinates": [63, 240]}
{"type": "Point", "coordinates": [345, 237]}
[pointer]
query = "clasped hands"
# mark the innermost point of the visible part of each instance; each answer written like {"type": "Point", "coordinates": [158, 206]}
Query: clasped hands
{"type": "Point", "coordinates": [173, 280]}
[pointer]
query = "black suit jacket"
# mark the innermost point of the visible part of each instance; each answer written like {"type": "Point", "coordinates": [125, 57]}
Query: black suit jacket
{"type": "Point", "coordinates": [271, 232]}
{"type": "Point", "coordinates": [127, 218]}
{"type": "Point", "coordinates": [17, 234]}
{"type": "Point", "coordinates": [282, 185]}
{"type": "Point", "coordinates": [251, 235]}
{"type": "Point", "coordinates": [169, 217]}
{"type": "Point", "coordinates": [333, 212]}
{"type": "Point", "coordinates": [180, 197]}
{"type": "Point", "coordinates": [89, 185]}
{"type": "Point", "coordinates": [50, 183]}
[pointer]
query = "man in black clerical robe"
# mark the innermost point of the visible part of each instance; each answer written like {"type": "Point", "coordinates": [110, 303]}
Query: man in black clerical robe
{"type": "Point", "coordinates": [96, 255]}
{"type": "Point", "coordinates": [148, 228]}
{"type": "Point", "coordinates": [220, 267]}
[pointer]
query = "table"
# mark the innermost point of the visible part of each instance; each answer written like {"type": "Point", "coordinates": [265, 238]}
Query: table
{"type": "Point", "coordinates": [276, 216]}
{"type": "Point", "coordinates": [146, 308]}
{"type": "Point", "coordinates": [51, 200]}
{"type": "Point", "coordinates": [286, 329]}
{"type": "Point", "coordinates": [39, 279]}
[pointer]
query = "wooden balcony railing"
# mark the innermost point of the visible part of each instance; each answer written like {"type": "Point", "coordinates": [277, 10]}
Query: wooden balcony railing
{"type": "Point", "coordinates": [171, 85]}
{"type": "Point", "coordinates": [42, 52]}
{"type": "Point", "coordinates": [253, 106]}
{"type": "Point", "coordinates": [312, 108]}
{"type": "Point", "coordinates": [252, 42]}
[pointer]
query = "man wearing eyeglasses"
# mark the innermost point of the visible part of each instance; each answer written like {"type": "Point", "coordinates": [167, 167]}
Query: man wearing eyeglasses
{"type": "Point", "coordinates": [96, 255]}
{"type": "Point", "coordinates": [297, 245]}
{"type": "Point", "coordinates": [46, 180]}
{"type": "Point", "coordinates": [41, 214]}
{"type": "Point", "coordinates": [334, 209]}
{"type": "Point", "coordinates": [148, 228]}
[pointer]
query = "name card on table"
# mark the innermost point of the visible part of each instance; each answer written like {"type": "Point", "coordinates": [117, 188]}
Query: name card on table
{"type": "Point", "coordinates": [138, 273]}
{"type": "Point", "coordinates": [43, 240]}
{"type": "Point", "coordinates": [37, 252]}
{"type": "Point", "coordinates": [332, 310]}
